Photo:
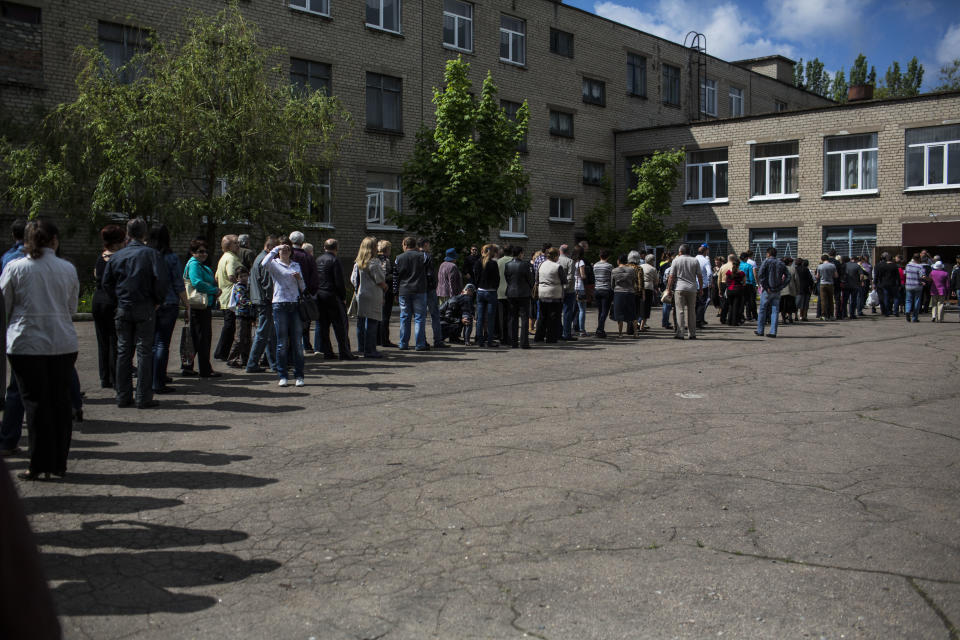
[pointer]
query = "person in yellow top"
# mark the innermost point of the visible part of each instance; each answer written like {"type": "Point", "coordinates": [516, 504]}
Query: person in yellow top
{"type": "Point", "coordinates": [226, 276]}
{"type": "Point", "coordinates": [722, 283]}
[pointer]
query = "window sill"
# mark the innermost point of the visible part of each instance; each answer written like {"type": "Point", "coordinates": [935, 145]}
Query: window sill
{"type": "Point", "coordinates": [708, 114]}
{"type": "Point", "coordinates": [318, 225]}
{"type": "Point", "coordinates": [557, 134]}
{"type": "Point", "coordinates": [847, 194]}
{"type": "Point", "coordinates": [519, 65]}
{"type": "Point", "coordinates": [642, 96]}
{"type": "Point", "coordinates": [587, 183]}
{"type": "Point", "coordinates": [374, 226]}
{"type": "Point", "coordinates": [671, 105]}
{"type": "Point", "coordinates": [933, 187]}
{"type": "Point", "coordinates": [565, 220]}
{"type": "Point", "coordinates": [450, 47]}
{"type": "Point", "coordinates": [513, 234]}
{"type": "Point", "coordinates": [711, 201]}
{"type": "Point", "coordinates": [389, 32]}
{"type": "Point", "coordinates": [790, 196]}
{"type": "Point", "coordinates": [325, 16]}
{"type": "Point", "coordinates": [386, 132]}
{"type": "Point", "coordinates": [594, 103]}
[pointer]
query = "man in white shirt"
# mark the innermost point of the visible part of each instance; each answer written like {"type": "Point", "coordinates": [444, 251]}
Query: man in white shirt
{"type": "Point", "coordinates": [703, 297]}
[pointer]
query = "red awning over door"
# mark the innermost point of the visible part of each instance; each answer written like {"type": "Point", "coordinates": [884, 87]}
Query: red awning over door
{"type": "Point", "coordinates": [931, 234]}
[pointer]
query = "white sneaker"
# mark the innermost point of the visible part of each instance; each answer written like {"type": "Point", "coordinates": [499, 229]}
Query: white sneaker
{"type": "Point", "coordinates": [299, 382]}
{"type": "Point", "coordinates": [282, 383]}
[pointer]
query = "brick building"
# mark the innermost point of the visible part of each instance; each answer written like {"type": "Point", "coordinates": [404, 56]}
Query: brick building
{"type": "Point", "coordinates": [850, 177]}
{"type": "Point", "coordinates": [583, 76]}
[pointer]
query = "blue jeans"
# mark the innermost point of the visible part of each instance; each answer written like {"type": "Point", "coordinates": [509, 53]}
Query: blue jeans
{"type": "Point", "coordinates": [913, 303]}
{"type": "Point", "coordinates": [162, 333]}
{"type": "Point", "coordinates": [769, 307]}
{"type": "Point", "coordinates": [367, 330]}
{"type": "Point", "coordinates": [264, 340]}
{"type": "Point", "coordinates": [665, 320]}
{"type": "Point", "coordinates": [569, 309]}
{"type": "Point", "coordinates": [433, 307]}
{"type": "Point", "coordinates": [582, 314]}
{"type": "Point", "coordinates": [889, 300]}
{"type": "Point", "coordinates": [486, 316]}
{"type": "Point", "coordinates": [286, 320]}
{"type": "Point", "coordinates": [13, 412]}
{"type": "Point", "coordinates": [603, 298]}
{"type": "Point", "coordinates": [416, 303]}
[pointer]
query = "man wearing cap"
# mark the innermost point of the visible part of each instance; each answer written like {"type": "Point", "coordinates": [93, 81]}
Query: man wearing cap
{"type": "Point", "coordinates": [449, 282]}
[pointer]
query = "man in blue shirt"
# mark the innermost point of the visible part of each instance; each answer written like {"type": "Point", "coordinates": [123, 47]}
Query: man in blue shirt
{"type": "Point", "coordinates": [136, 277]}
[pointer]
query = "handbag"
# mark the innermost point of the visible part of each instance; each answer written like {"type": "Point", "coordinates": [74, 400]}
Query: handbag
{"type": "Point", "coordinates": [195, 298]}
{"type": "Point", "coordinates": [187, 349]}
{"type": "Point", "coordinates": [354, 309]}
{"type": "Point", "coordinates": [309, 310]}
{"type": "Point", "coordinates": [666, 297]}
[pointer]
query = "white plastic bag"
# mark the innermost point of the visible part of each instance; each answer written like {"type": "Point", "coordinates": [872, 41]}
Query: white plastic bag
{"type": "Point", "coordinates": [873, 300]}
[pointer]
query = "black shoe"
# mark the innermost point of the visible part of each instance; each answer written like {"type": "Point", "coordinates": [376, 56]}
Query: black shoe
{"type": "Point", "coordinates": [390, 344]}
{"type": "Point", "coordinates": [440, 345]}
{"type": "Point", "coordinates": [78, 415]}
{"type": "Point", "coordinates": [104, 384]}
{"type": "Point", "coordinates": [188, 372]}
{"type": "Point", "coordinates": [346, 355]}
{"type": "Point", "coordinates": [771, 335]}
{"type": "Point", "coordinates": [757, 333]}
{"type": "Point", "coordinates": [149, 404]}
{"type": "Point", "coordinates": [255, 370]}
{"type": "Point", "coordinates": [525, 346]}
{"type": "Point", "coordinates": [165, 389]}
{"type": "Point", "coordinates": [167, 380]}
{"type": "Point", "coordinates": [124, 404]}
{"type": "Point", "coordinates": [212, 374]}
{"type": "Point", "coordinates": [425, 347]}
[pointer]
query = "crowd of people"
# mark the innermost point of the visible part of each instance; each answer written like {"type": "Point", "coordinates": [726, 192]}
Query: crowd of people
{"type": "Point", "coordinates": [495, 296]}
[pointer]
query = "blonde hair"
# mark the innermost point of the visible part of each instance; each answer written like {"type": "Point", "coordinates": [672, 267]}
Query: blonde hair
{"type": "Point", "coordinates": [368, 249]}
{"type": "Point", "coordinates": [384, 245]}
{"type": "Point", "coordinates": [487, 253]}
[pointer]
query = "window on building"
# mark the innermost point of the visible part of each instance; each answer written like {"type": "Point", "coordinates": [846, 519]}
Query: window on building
{"type": "Point", "coordinates": [779, 105]}
{"type": "Point", "coordinates": [593, 172]}
{"type": "Point", "coordinates": [310, 76]}
{"type": "Point", "coordinates": [783, 240]}
{"type": "Point", "coordinates": [708, 97]}
{"type": "Point", "coordinates": [511, 108]}
{"type": "Point", "coordinates": [561, 124]}
{"type": "Point", "coordinates": [636, 75]}
{"type": "Point", "coordinates": [383, 198]}
{"type": "Point", "coordinates": [384, 14]}
{"type": "Point", "coordinates": [631, 162]}
{"type": "Point", "coordinates": [671, 84]}
{"type": "Point", "coordinates": [850, 164]}
{"type": "Point", "coordinates": [384, 99]}
{"type": "Point", "coordinates": [716, 239]}
{"type": "Point", "coordinates": [561, 209]}
{"type": "Point", "coordinates": [594, 91]}
{"type": "Point", "coordinates": [775, 170]}
{"type": "Point", "coordinates": [736, 102]}
{"type": "Point", "coordinates": [932, 157]}
{"type": "Point", "coordinates": [120, 43]}
{"type": "Point", "coordinates": [516, 224]}
{"type": "Point", "coordinates": [561, 43]}
{"type": "Point", "coordinates": [850, 241]}
{"type": "Point", "coordinates": [707, 176]}
{"type": "Point", "coordinates": [458, 25]}
{"type": "Point", "coordinates": [513, 40]}
{"type": "Point", "coordinates": [313, 6]}
{"type": "Point", "coordinates": [318, 202]}
{"type": "Point", "coordinates": [20, 12]}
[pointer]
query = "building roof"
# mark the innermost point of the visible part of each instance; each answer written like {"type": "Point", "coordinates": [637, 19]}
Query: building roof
{"type": "Point", "coordinates": [764, 59]}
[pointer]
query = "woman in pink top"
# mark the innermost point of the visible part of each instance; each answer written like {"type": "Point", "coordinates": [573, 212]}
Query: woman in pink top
{"type": "Point", "coordinates": [939, 291]}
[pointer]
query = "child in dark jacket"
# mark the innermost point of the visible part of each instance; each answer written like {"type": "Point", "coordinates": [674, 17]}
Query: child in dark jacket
{"type": "Point", "coordinates": [240, 303]}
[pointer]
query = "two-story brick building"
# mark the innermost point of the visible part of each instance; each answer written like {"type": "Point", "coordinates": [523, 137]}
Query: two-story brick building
{"type": "Point", "coordinates": [583, 76]}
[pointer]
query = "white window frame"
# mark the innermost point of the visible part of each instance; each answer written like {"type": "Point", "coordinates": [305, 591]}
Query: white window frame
{"type": "Point", "coordinates": [516, 226]}
{"type": "Point", "coordinates": [736, 102]}
{"type": "Point", "coordinates": [700, 167]}
{"type": "Point", "coordinates": [557, 215]}
{"type": "Point", "coordinates": [326, 220]}
{"type": "Point", "coordinates": [516, 40]}
{"type": "Point", "coordinates": [844, 190]}
{"type": "Point", "coordinates": [379, 25]}
{"type": "Point", "coordinates": [783, 194]}
{"type": "Point", "coordinates": [375, 202]}
{"type": "Point", "coordinates": [316, 7]}
{"type": "Point", "coordinates": [708, 97]}
{"type": "Point", "coordinates": [927, 185]}
{"type": "Point", "coordinates": [457, 19]}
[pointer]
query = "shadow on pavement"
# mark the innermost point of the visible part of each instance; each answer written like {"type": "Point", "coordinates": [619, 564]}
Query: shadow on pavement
{"type": "Point", "coordinates": [130, 426]}
{"type": "Point", "coordinates": [171, 479]}
{"type": "Point", "coordinates": [187, 457]}
{"type": "Point", "coordinates": [134, 534]}
{"type": "Point", "coordinates": [138, 583]}
{"type": "Point", "coordinates": [95, 504]}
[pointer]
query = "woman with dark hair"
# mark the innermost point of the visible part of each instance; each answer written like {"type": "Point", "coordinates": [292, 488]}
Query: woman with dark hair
{"type": "Point", "coordinates": [166, 315]}
{"type": "Point", "coordinates": [40, 296]}
{"type": "Point", "coordinates": [105, 307]}
{"type": "Point", "coordinates": [201, 328]}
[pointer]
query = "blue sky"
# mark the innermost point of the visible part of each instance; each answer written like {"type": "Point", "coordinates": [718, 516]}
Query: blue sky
{"type": "Point", "coordinates": [833, 30]}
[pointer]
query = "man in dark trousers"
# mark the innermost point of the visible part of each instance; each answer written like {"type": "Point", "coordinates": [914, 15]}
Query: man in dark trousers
{"type": "Point", "coordinates": [886, 278]}
{"type": "Point", "coordinates": [331, 297]}
{"type": "Point", "coordinates": [519, 275]}
{"type": "Point", "coordinates": [137, 279]}
{"type": "Point", "coordinates": [261, 295]}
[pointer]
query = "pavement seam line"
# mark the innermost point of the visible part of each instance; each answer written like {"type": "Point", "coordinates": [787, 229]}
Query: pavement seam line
{"type": "Point", "coordinates": [951, 628]}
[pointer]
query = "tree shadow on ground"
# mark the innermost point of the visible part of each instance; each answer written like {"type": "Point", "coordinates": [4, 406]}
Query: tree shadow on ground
{"type": "Point", "coordinates": [95, 504]}
{"type": "Point", "coordinates": [195, 480]}
{"type": "Point", "coordinates": [187, 457]}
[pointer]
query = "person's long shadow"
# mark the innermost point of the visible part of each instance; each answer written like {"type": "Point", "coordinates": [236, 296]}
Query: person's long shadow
{"type": "Point", "coordinates": [95, 504]}
{"type": "Point", "coordinates": [135, 534]}
{"type": "Point", "coordinates": [229, 405]}
{"type": "Point", "coordinates": [188, 457]}
{"type": "Point", "coordinates": [133, 426]}
{"type": "Point", "coordinates": [371, 386]}
{"type": "Point", "coordinates": [138, 583]}
{"type": "Point", "coordinates": [196, 480]}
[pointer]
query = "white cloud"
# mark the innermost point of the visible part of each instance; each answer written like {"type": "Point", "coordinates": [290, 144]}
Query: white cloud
{"type": "Point", "coordinates": [949, 48]}
{"type": "Point", "coordinates": [730, 36]}
{"type": "Point", "coordinates": [800, 19]}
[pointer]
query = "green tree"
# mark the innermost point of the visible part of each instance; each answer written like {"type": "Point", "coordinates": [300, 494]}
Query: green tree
{"type": "Point", "coordinates": [950, 76]}
{"type": "Point", "coordinates": [818, 80]}
{"type": "Point", "coordinates": [798, 74]}
{"type": "Point", "coordinates": [858, 72]}
{"type": "Point", "coordinates": [657, 178]}
{"type": "Point", "coordinates": [902, 85]}
{"type": "Point", "coordinates": [838, 89]}
{"type": "Point", "coordinates": [601, 229]}
{"type": "Point", "coordinates": [206, 128]}
{"type": "Point", "coordinates": [465, 175]}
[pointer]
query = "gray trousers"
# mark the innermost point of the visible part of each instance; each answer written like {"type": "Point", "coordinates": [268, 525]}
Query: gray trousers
{"type": "Point", "coordinates": [135, 329]}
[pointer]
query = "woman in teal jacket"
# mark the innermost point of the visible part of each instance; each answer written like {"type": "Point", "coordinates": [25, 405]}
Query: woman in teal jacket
{"type": "Point", "coordinates": [201, 278]}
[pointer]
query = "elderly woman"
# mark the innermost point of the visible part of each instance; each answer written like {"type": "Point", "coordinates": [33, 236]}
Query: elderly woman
{"type": "Point", "coordinates": [201, 278]}
{"type": "Point", "coordinates": [383, 257]}
{"type": "Point", "coordinates": [370, 283]}
{"type": "Point", "coordinates": [550, 282]}
{"type": "Point", "coordinates": [40, 296]}
{"type": "Point", "coordinates": [625, 288]}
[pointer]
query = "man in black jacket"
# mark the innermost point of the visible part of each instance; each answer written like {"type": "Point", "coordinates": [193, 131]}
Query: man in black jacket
{"type": "Point", "coordinates": [519, 275]}
{"type": "Point", "coordinates": [886, 277]}
{"type": "Point", "coordinates": [136, 278]}
{"type": "Point", "coordinates": [331, 297]}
